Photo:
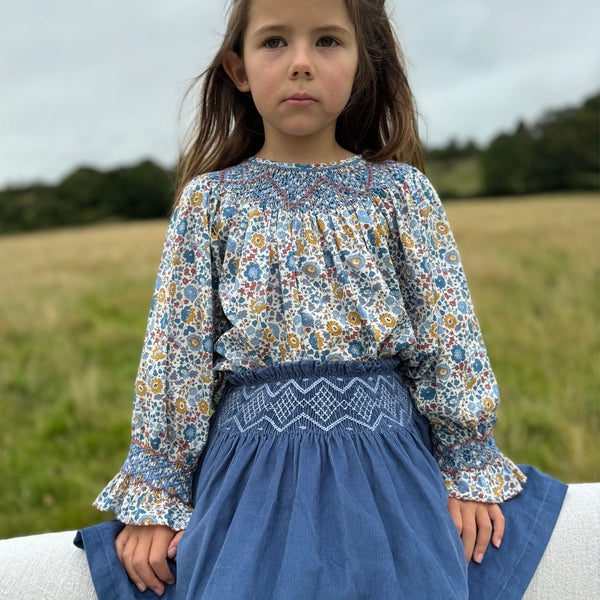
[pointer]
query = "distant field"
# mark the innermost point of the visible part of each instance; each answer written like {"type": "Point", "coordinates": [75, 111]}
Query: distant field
{"type": "Point", "coordinates": [74, 304]}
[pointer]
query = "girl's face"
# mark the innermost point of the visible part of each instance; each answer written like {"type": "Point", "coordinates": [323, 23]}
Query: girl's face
{"type": "Point", "coordinates": [299, 62]}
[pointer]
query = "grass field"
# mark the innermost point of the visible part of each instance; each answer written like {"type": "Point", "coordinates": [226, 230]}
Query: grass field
{"type": "Point", "coordinates": [74, 304]}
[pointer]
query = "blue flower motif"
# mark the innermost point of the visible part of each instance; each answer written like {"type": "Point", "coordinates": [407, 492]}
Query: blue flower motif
{"type": "Point", "coordinates": [228, 211]}
{"type": "Point", "coordinates": [328, 256]}
{"type": "Point", "coordinates": [440, 282]}
{"type": "Point", "coordinates": [356, 348]}
{"type": "Point", "coordinates": [190, 292]}
{"type": "Point", "coordinates": [363, 216]}
{"type": "Point", "coordinates": [477, 365]}
{"type": "Point", "coordinates": [253, 272]}
{"type": "Point", "coordinates": [182, 227]}
{"type": "Point", "coordinates": [428, 393]}
{"type": "Point", "coordinates": [188, 256]}
{"type": "Point", "coordinates": [463, 486]}
{"type": "Point", "coordinates": [155, 443]}
{"type": "Point", "coordinates": [189, 433]}
{"type": "Point", "coordinates": [290, 261]}
{"type": "Point", "coordinates": [462, 307]}
{"type": "Point", "coordinates": [458, 353]}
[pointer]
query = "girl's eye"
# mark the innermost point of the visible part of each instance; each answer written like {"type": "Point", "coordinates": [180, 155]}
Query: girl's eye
{"type": "Point", "coordinates": [273, 43]}
{"type": "Point", "coordinates": [327, 42]}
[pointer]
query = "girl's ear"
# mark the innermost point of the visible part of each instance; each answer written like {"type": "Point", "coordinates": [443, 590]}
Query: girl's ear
{"type": "Point", "coordinates": [234, 67]}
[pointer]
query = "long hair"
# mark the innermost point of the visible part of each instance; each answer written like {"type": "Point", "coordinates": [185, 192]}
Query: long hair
{"type": "Point", "coordinates": [379, 122]}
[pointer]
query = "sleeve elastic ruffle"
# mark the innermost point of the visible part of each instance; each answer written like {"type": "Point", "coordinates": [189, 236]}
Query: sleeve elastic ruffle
{"type": "Point", "coordinates": [176, 381]}
{"type": "Point", "coordinates": [448, 367]}
{"type": "Point", "coordinates": [477, 470]}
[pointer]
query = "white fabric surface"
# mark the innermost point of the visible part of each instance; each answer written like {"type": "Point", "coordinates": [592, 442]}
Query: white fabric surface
{"type": "Point", "coordinates": [50, 567]}
{"type": "Point", "coordinates": [44, 567]}
{"type": "Point", "coordinates": [570, 567]}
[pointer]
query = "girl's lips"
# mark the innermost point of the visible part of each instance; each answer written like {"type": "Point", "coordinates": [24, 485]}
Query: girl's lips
{"type": "Point", "coordinates": [300, 100]}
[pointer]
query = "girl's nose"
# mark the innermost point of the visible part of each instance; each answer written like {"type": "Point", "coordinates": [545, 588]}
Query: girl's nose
{"type": "Point", "coordinates": [301, 65]}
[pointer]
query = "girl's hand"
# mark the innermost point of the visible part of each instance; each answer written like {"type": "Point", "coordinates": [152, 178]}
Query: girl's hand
{"type": "Point", "coordinates": [475, 522]}
{"type": "Point", "coordinates": [143, 551]}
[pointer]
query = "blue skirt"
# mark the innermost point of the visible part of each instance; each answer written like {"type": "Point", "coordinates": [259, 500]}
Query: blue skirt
{"type": "Point", "coordinates": [318, 482]}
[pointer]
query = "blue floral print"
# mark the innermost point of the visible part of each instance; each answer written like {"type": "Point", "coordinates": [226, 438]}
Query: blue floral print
{"type": "Point", "coordinates": [266, 263]}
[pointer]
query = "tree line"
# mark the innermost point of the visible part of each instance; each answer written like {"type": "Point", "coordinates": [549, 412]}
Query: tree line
{"type": "Point", "coordinates": [560, 151]}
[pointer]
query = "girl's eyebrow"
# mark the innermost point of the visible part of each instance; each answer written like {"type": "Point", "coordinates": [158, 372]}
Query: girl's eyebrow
{"type": "Point", "coordinates": [268, 29]}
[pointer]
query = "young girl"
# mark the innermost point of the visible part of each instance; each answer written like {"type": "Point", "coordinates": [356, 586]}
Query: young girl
{"type": "Point", "coordinates": [314, 404]}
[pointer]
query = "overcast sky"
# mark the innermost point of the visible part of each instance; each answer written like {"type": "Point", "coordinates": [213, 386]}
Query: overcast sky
{"type": "Point", "coordinates": [100, 83]}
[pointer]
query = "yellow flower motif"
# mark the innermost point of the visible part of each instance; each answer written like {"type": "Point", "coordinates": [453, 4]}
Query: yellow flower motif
{"type": "Point", "coordinates": [353, 318]}
{"type": "Point", "coordinates": [488, 404]}
{"type": "Point", "coordinates": [194, 342]}
{"type": "Point", "coordinates": [338, 292]}
{"type": "Point", "coordinates": [433, 331]}
{"type": "Point", "coordinates": [268, 335]}
{"type": "Point", "coordinates": [293, 340]}
{"type": "Point", "coordinates": [158, 354]}
{"type": "Point", "coordinates": [426, 211]}
{"type": "Point", "coordinates": [387, 319]}
{"type": "Point", "coordinates": [175, 259]}
{"type": "Point", "coordinates": [320, 339]}
{"type": "Point", "coordinates": [172, 289]}
{"type": "Point", "coordinates": [197, 199]}
{"type": "Point", "coordinates": [452, 257]}
{"type": "Point", "coordinates": [254, 213]}
{"type": "Point", "coordinates": [158, 498]}
{"type": "Point", "coordinates": [156, 385]}
{"type": "Point", "coordinates": [470, 382]}
{"type": "Point", "coordinates": [181, 405]}
{"type": "Point", "coordinates": [442, 228]}
{"type": "Point", "coordinates": [450, 321]}
{"type": "Point", "coordinates": [407, 241]}
{"type": "Point", "coordinates": [443, 372]}
{"type": "Point", "coordinates": [148, 521]}
{"type": "Point", "coordinates": [283, 351]}
{"type": "Point", "coordinates": [258, 240]}
{"type": "Point", "coordinates": [141, 388]}
{"type": "Point", "coordinates": [310, 237]}
{"type": "Point", "coordinates": [257, 305]}
{"type": "Point", "coordinates": [162, 294]}
{"type": "Point", "coordinates": [334, 328]}
{"type": "Point", "coordinates": [348, 231]}
{"type": "Point", "coordinates": [321, 225]}
{"type": "Point", "coordinates": [432, 297]}
{"type": "Point", "coordinates": [311, 269]}
{"type": "Point", "coordinates": [356, 261]}
{"type": "Point", "coordinates": [192, 316]}
{"type": "Point", "coordinates": [203, 407]}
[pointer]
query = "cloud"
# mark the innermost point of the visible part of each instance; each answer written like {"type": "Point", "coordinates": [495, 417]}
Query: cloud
{"type": "Point", "coordinates": [101, 83]}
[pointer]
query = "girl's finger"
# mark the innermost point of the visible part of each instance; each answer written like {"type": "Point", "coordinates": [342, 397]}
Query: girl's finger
{"type": "Point", "coordinates": [140, 565]}
{"type": "Point", "coordinates": [484, 532]}
{"type": "Point", "coordinates": [121, 540]}
{"type": "Point", "coordinates": [127, 561]}
{"type": "Point", "coordinates": [172, 551]}
{"type": "Point", "coordinates": [497, 519]}
{"type": "Point", "coordinates": [469, 530]}
{"type": "Point", "coordinates": [157, 556]}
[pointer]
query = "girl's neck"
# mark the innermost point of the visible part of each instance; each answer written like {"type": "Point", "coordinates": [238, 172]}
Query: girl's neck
{"type": "Point", "coordinates": [307, 154]}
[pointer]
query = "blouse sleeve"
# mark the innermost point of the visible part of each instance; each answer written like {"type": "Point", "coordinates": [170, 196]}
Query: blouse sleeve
{"type": "Point", "coordinates": [448, 367]}
{"type": "Point", "coordinates": [175, 383]}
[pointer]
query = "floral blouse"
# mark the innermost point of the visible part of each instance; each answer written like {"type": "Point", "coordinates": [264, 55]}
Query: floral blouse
{"type": "Point", "coordinates": [268, 262]}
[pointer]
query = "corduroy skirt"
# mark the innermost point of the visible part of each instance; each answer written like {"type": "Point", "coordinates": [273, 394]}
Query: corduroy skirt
{"type": "Point", "coordinates": [318, 482]}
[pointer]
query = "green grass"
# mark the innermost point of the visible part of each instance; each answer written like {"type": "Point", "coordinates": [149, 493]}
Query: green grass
{"type": "Point", "coordinates": [72, 317]}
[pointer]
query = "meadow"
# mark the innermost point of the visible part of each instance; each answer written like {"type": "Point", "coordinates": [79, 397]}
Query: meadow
{"type": "Point", "coordinates": [73, 310]}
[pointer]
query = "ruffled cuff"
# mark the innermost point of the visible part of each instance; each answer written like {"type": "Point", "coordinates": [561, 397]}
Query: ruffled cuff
{"type": "Point", "coordinates": [477, 470]}
{"type": "Point", "coordinates": [150, 489]}
{"type": "Point", "coordinates": [136, 502]}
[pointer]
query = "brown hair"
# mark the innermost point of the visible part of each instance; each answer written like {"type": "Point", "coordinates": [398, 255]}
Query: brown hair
{"type": "Point", "coordinates": [378, 122]}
